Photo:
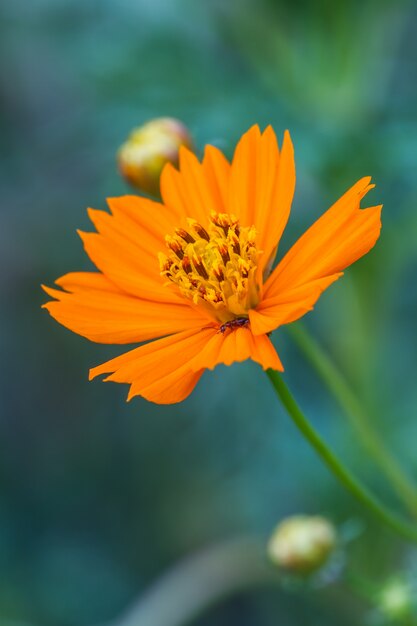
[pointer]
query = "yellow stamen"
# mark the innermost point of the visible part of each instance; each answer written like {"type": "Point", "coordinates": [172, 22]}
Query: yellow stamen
{"type": "Point", "coordinates": [215, 268]}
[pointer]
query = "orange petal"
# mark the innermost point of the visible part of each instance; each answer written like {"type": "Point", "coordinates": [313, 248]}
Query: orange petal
{"type": "Point", "coordinates": [341, 236]}
{"type": "Point", "coordinates": [94, 308]}
{"type": "Point", "coordinates": [273, 217]}
{"type": "Point", "coordinates": [80, 281]}
{"type": "Point", "coordinates": [217, 171]}
{"type": "Point", "coordinates": [142, 217]}
{"type": "Point", "coordinates": [126, 246]}
{"type": "Point", "coordinates": [237, 345]}
{"type": "Point", "coordinates": [135, 242]}
{"type": "Point", "coordinates": [159, 371]}
{"type": "Point", "coordinates": [262, 183]}
{"type": "Point", "coordinates": [243, 176]}
{"type": "Point", "coordinates": [197, 188]}
{"type": "Point", "coordinates": [126, 269]}
{"type": "Point", "coordinates": [288, 306]}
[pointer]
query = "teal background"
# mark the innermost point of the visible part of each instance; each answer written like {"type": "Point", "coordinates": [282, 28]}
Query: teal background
{"type": "Point", "coordinates": [98, 497]}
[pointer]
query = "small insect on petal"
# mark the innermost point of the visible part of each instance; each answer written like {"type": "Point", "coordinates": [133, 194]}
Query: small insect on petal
{"type": "Point", "coordinates": [239, 322]}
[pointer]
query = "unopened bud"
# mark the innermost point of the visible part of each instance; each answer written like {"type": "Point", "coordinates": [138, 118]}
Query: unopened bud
{"type": "Point", "coordinates": [302, 544]}
{"type": "Point", "coordinates": [148, 148]}
{"type": "Point", "coordinates": [395, 601]}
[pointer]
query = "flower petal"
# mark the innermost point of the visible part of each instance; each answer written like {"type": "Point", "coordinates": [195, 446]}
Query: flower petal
{"type": "Point", "coordinates": [341, 236]}
{"type": "Point", "coordinates": [125, 269]}
{"type": "Point", "coordinates": [95, 308]}
{"type": "Point", "coordinates": [237, 345]}
{"type": "Point", "coordinates": [243, 173]}
{"type": "Point", "coordinates": [75, 282]}
{"type": "Point", "coordinates": [273, 219]}
{"type": "Point", "coordinates": [125, 249]}
{"type": "Point", "coordinates": [196, 188]}
{"type": "Point", "coordinates": [159, 371]}
{"type": "Point", "coordinates": [262, 183]}
{"type": "Point", "coordinates": [289, 305]}
{"type": "Point", "coordinates": [143, 217]}
{"type": "Point", "coordinates": [217, 171]}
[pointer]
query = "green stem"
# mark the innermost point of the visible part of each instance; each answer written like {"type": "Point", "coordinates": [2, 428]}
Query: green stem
{"type": "Point", "coordinates": [351, 483]}
{"type": "Point", "coordinates": [359, 419]}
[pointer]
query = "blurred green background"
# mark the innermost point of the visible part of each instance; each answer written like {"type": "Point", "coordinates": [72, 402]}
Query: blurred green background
{"type": "Point", "coordinates": [99, 497]}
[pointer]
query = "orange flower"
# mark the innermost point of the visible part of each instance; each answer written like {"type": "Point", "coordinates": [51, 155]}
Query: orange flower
{"type": "Point", "coordinates": [196, 268]}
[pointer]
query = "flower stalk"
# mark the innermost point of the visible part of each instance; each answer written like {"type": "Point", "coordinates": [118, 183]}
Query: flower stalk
{"type": "Point", "coordinates": [358, 417]}
{"type": "Point", "coordinates": [200, 582]}
{"type": "Point", "coordinates": [349, 481]}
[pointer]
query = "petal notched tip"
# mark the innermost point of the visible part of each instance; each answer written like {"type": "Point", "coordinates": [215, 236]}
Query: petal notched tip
{"type": "Point", "coordinates": [254, 129]}
{"type": "Point", "coordinates": [287, 144]}
{"type": "Point", "coordinates": [93, 214]}
{"type": "Point", "coordinates": [127, 197]}
{"type": "Point", "coordinates": [47, 290]}
{"type": "Point", "coordinates": [185, 155]}
{"type": "Point", "coordinates": [253, 134]}
{"type": "Point", "coordinates": [97, 371]}
{"type": "Point", "coordinates": [52, 293]}
{"type": "Point", "coordinates": [82, 234]}
{"type": "Point", "coordinates": [131, 394]}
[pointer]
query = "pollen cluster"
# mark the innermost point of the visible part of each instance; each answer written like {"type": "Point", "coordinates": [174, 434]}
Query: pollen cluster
{"type": "Point", "coordinates": [215, 268]}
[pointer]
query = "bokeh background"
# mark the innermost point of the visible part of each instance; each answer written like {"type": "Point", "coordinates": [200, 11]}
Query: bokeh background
{"type": "Point", "coordinates": [99, 497]}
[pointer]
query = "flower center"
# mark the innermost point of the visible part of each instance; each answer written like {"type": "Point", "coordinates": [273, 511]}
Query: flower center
{"type": "Point", "coordinates": [215, 268]}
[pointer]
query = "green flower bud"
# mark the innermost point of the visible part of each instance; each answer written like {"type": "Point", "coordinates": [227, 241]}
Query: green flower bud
{"type": "Point", "coordinates": [302, 544]}
{"type": "Point", "coordinates": [395, 601]}
{"type": "Point", "coordinates": [148, 148]}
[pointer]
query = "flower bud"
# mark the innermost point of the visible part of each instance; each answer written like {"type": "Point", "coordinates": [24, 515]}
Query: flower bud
{"type": "Point", "coordinates": [302, 544]}
{"type": "Point", "coordinates": [148, 148]}
{"type": "Point", "coordinates": [395, 601]}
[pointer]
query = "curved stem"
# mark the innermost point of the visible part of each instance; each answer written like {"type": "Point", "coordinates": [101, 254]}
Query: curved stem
{"type": "Point", "coordinates": [201, 581]}
{"type": "Point", "coordinates": [334, 380]}
{"type": "Point", "coordinates": [351, 483]}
